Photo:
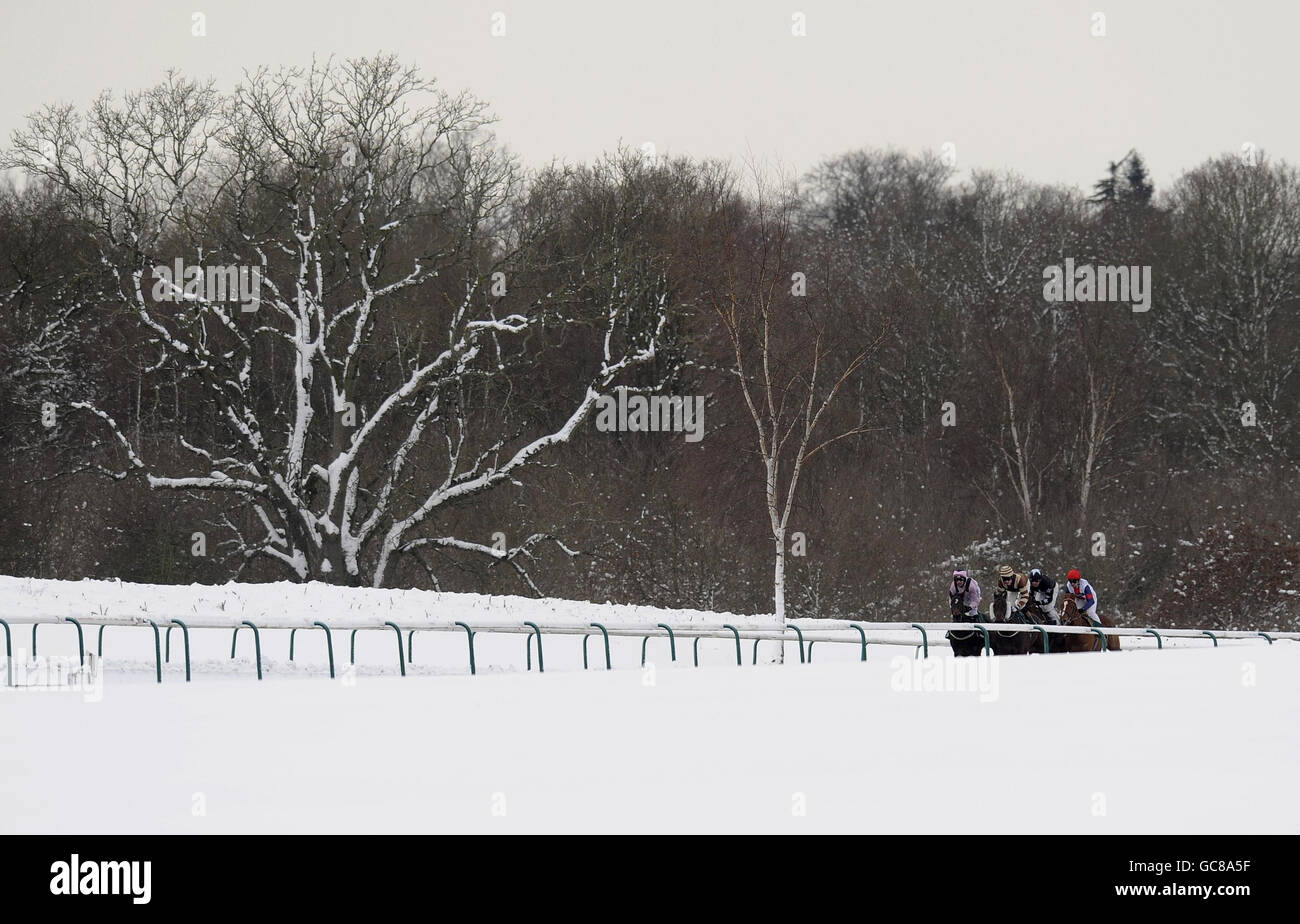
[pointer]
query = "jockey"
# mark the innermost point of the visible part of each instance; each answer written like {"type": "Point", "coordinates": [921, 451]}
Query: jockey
{"type": "Point", "coordinates": [1085, 598]}
{"type": "Point", "coordinates": [966, 590]}
{"type": "Point", "coordinates": [1042, 593]}
{"type": "Point", "coordinates": [1009, 579]}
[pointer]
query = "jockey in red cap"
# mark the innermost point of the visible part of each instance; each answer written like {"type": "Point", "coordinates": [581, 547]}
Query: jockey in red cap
{"type": "Point", "coordinates": [1085, 598]}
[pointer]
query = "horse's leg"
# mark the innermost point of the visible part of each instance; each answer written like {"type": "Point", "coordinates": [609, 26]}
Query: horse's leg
{"type": "Point", "coordinates": [1112, 641]}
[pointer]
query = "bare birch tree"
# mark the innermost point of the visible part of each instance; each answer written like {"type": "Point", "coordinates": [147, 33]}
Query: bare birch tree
{"type": "Point", "coordinates": [787, 358]}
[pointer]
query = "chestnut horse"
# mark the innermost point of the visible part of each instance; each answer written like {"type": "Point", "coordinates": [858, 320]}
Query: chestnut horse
{"type": "Point", "coordinates": [964, 644]}
{"type": "Point", "coordinates": [1078, 641]}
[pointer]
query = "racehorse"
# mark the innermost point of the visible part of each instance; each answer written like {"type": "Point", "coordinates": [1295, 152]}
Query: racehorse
{"type": "Point", "coordinates": [1078, 641]}
{"type": "Point", "coordinates": [1010, 643]}
{"type": "Point", "coordinates": [964, 644]}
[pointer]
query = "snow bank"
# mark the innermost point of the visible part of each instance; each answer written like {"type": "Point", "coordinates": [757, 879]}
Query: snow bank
{"type": "Point", "coordinates": [288, 604]}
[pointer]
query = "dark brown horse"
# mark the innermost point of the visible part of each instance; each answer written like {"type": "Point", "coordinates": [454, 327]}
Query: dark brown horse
{"type": "Point", "coordinates": [1010, 643]}
{"type": "Point", "coordinates": [1078, 641]}
{"type": "Point", "coordinates": [964, 644]}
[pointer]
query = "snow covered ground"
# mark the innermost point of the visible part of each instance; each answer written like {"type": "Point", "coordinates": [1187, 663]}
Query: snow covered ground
{"type": "Point", "coordinates": [1189, 740]}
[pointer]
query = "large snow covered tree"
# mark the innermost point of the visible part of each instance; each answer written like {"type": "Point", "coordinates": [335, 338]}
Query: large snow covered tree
{"type": "Point", "coordinates": [389, 265]}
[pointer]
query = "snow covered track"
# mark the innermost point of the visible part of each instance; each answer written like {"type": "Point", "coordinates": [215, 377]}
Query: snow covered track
{"type": "Point", "coordinates": [1148, 742]}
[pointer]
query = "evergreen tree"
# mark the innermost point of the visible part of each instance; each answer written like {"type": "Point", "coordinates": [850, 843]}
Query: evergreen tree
{"type": "Point", "coordinates": [1138, 188]}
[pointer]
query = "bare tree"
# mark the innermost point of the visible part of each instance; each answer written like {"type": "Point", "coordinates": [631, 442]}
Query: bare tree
{"type": "Point", "coordinates": [788, 360]}
{"type": "Point", "coordinates": [398, 255]}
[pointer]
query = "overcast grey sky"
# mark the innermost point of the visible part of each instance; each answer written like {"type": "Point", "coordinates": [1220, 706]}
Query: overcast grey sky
{"type": "Point", "coordinates": [1011, 83]}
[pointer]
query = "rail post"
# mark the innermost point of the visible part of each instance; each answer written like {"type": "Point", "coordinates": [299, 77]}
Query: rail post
{"type": "Point", "coordinates": [81, 641]}
{"type": "Point", "coordinates": [185, 634]}
{"type": "Point", "coordinates": [469, 633]}
{"type": "Point", "coordinates": [800, 634]}
{"type": "Point", "coordinates": [257, 645]}
{"type": "Point", "coordinates": [401, 661]}
{"type": "Point", "coordinates": [1160, 643]}
{"type": "Point", "coordinates": [9, 655]}
{"type": "Point", "coordinates": [329, 644]}
{"type": "Point", "coordinates": [735, 632]}
{"type": "Point", "coordinates": [863, 636]}
{"type": "Point", "coordinates": [537, 630]}
{"type": "Point", "coordinates": [604, 634]}
{"type": "Point", "coordinates": [157, 648]}
{"type": "Point", "coordinates": [925, 642]}
{"type": "Point", "coordinates": [672, 640]}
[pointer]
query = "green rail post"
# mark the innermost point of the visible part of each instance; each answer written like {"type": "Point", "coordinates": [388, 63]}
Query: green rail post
{"type": "Point", "coordinates": [292, 633]}
{"type": "Point", "coordinates": [672, 643]}
{"type": "Point", "coordinates": [34, 627]}
{"type": "Point", "coordinates": [410, 646]}
{"type": "Point", "coordinates": [469, 633]}
{"type": "Point", "coordinates": [1265, 634]}
{"type": "Point", "coordinates": [1160, 643]}
{"type": "Point", "coordinates": [672, 640]}
{"type": "Point", "coordinates": [233, 638]}
{"type": "Point", "coordinates": [756, 641]}
{"type": "Point", "coordinates": [585, 636]}
{"type": "Point", "coordinates": [1212, 636]}
{"type": "Point", "coordinates": [696, 647]}
{"type": "Point", "coordinates": [257, 645]}
{"type": "Point", "coordinates": [798, 633]}
{"type": "Point", "coordinates": [9, 655]}
{"type": "Point", "coordinates": [167, 644]}
{"type": "Point", "coordinates": [537, 629]}
{"type": "Point", "coordinates": [1043, 633]}
{"type": "Point", "coordinates": [401, 661]}
{"type": "Point", "coordinates": [185, 634]}
{"type": "Point", "coordinates": [863, 635]}
{"type": "Point", "coordinates": [329, 644]}
{"type": "Point", "coordinates": [81, 641]}
{"type": "Point", "coordinates": [157, 648]}
{"type": "Point", "coordinates": [987, 648]}
{"type": "Point", "coordinates": [101, 640]}
{"type": "Point", "coordinates": [925, 641]}
{"type": "Point", "coordinates": [354, 645]}
{"type": "Point", "coordinates": [810, 648]}
{"type": "Point", "coordinates": [604, 634]}
{"type": "Point", "coordinates": [735, 632]}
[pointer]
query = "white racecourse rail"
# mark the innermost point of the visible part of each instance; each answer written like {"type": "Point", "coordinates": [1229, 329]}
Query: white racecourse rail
{"type": "Point", "coordinates": [27, 601]}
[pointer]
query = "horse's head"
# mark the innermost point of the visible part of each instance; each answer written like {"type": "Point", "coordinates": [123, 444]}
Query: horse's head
{"type": "Point", "coordinates": [1070, 614]}
{"type": "Point", "coordinates": [958, 609]}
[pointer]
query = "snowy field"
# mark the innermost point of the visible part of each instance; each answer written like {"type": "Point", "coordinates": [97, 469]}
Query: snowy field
{"type": "Point", "coordinates": [1191, 740]}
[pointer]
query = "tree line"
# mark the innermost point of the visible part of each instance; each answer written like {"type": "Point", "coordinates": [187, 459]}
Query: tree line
{"type": "Point", "coordinates": [410, 399]}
